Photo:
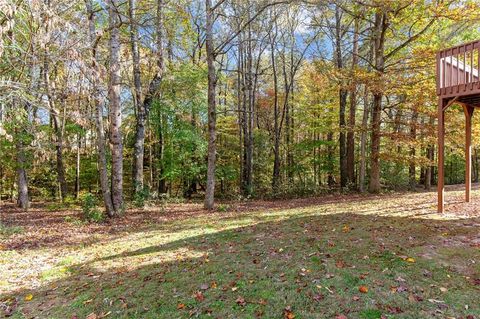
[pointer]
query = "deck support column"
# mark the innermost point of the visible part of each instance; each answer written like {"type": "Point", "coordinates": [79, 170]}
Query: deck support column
{"type": "Point", "coordinates": [468, 150]}
{"type": "Point", "coordinates": [441, 146]}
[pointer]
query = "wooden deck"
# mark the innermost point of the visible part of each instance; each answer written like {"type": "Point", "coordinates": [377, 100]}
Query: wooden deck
{"type": "Point", "coordinates": [458, 81]}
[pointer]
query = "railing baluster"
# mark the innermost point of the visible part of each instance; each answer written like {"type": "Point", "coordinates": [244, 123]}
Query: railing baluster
{"type": "Point", "coordinates": [451, 71]}
{"type": "Point", "coordinates": [471, 66]}
{"type": "Point", "coordinates": [457, 56]}
{"type": "Point", "coordinates": [458, 70]}
{"type": "Point", "coordinates": [438, 68]}
{"type": "Point", "coordinates": [464, 68]}
{"type": "Point", "coordinates": [443, 80]}
{"type": "Point", "coordinates": [478, 64]}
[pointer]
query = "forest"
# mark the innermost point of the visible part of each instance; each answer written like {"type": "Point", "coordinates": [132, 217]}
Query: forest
{"type": "Point", "coordinates": [139, 100]}
{"type": "Point", "coordinates": [234, 159]}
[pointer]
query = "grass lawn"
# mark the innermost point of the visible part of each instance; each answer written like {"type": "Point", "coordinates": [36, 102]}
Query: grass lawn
{"type": "Point", "coordinates": [339, 256]}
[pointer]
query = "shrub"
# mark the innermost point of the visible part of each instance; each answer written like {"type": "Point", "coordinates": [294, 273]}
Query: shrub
{"type": "Point", "coordinates": [10, 230]}
{"type": "Point", "coordinates": [90, 211]}
{"type": "Point", "coordinates": [73, 220]}
{"type": "Point", "coordinates": [140, 197]}
{"type": "Point", "coordinates": [223, 208]}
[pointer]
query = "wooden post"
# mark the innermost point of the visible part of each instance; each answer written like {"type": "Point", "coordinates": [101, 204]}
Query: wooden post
{"type": "Point", "coordinates": [441, 143]}
{"type": "Point", "coordinates": [468, 150]}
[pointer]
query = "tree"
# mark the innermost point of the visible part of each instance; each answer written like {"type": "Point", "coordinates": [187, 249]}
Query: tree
{"type": "Point", "coordinates": [97, 100]}
{"type": "Point", "coordinates": [115, 113]}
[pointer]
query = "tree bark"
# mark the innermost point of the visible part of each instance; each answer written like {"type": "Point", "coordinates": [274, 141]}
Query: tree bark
{"type": "Point", "coordinates": [413, 136]}
{"type": "Point", "coordinates": [380, 27]}
{"type": "Point", "coordinates": [115, 108]}
{"type": "Point", "coordinates": [276, 124]}
{"type": "Point", "coordinates": [353, 109]}
{"type": "Point", "coordinates": [138, 150]}
{"type": "Point", "coordinates": [363, 142]}
{"type": "Point", "coordinates": [342, 100]}
{"type": "Point", "coordinates": [102, 156]}
{"type": "Point", "coordinates": [77, 167]}
{"type": "Point", "coordinates": [330, 156]}
{"type": "Point", "coordinates": [429, 168]}
{"type": "Point", "coordinates": [23, 200]}
{"type": "Point", "coordinates": [55, 117]}
{"type": "Point", "coordinates": [212, 112]}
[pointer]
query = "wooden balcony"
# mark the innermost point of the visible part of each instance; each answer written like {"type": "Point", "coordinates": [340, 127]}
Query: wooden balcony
{"type": "Point", "coordinates": [458, 73]}
{"type": "Point", "coordinates": [458, 81]}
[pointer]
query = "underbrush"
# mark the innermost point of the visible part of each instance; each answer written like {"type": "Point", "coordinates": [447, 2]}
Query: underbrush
{"type": "Point", "coordinates": [6, 231]}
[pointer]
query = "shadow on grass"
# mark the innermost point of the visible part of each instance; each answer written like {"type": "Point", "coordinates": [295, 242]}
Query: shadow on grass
{"type": "Point", "coordinates": [312, 265]}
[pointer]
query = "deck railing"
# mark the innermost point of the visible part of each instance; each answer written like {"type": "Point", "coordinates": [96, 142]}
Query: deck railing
{"type": "Point", "coordinates": [458, 70]}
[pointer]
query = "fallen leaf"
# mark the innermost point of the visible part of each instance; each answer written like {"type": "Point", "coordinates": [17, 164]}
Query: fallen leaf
{"type": "Point", "coordinates": [400, 279]}
{"type": "Point", "coordinates": [288, 313]}
{"type": "Point", "coordinates": [410, 260]}
{"type": "Point", "coordinates": [181, 306]}
{"type": "Point", "coordinates": [28, 297]}
{"type": "Point", "coordinates": [415, 298]}
{"type": "Point", "coordinates": [341, 317]}
{"type": "Point", "coordinates": [394, 310]}
{"type": "Point", "coordinates": [402, 288]}
{"type": "Point", "coordinates": [363, 289]}
{"type": "Point", "coordinates": [443, 289]}
{"type": "Point", "coordinates": [340, 264]}
{"type": "Point", "coordinates": [241, 301]}
{"type": "Point", "coordinates": [92, 316]}
{"type": "Point", "coordinates": [87, 301]}
{"type": "Point", "coordinates": [199, 296]}
{"type": "Point", "coordinates": [318, 297]}
{"type": "Point", "coordinates": [204, 286]}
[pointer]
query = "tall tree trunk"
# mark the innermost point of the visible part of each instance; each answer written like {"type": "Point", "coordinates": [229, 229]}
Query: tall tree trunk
{"type": "Point", "coordinates": [381, 25]}
{"type": "Point", "coordinates": [138, 150]}
{"type": "Point", "coordinates": [22, 181]}
{"type": "Point", "coordinates": [49, 89]}
{"type": "Point", "coordinates": [330, 156]}
{"type": "Point", "coordinates": [23, 200]}
{"type": "Point", "coordinates": [342, 100]}
{"type": "Point", "coordinates": [363, 142]}
{"type": "Point", "coordinates": [353, 109]}
{"type": "Point", "coordinates": [115, 107]}
{"type": "Point", "coordinates": [59, 157]}
{"type": "Point", "coordinates": [102, 154]}
{"type": "Point", "coordinates": [413, 136]}
{"type": "Point", "coordinates": [243, 100]}
{"type": "Point", "coordinates": [250, 111]}
{"type": "Point", "coordinates": [212, 112]}
{"type": "Point", "coordinates": [374, 185]}
{"type": "Point", "coordinates": [162, 183]}
{"type": "Point", "coordinates": [429, 168]}
{"type": "Point", "coordinates": [276, 124]}
{"type": "Point", "coordinates": [77, 166]}
{"type": "Point", "coordinates": [475, 164]}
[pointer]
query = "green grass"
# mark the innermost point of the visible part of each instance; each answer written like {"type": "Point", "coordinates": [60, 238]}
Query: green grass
{"type": "Point", "coordinates": [254, 265]}
{"type": "Point", "coordinates": [7, 231]}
